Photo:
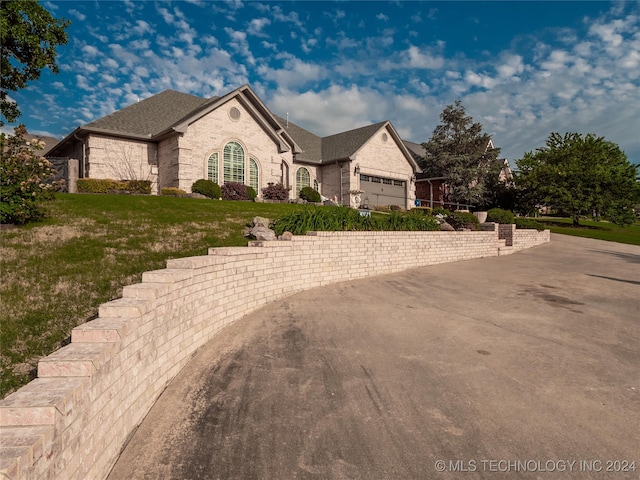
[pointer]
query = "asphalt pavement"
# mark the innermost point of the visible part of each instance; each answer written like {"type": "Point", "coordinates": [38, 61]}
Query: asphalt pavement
{"type": "Point", "coordinates": [523, 366]}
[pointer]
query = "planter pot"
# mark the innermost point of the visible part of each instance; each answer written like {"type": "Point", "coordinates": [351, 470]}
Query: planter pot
{"type": "Point", "coordinates": [482, 216]}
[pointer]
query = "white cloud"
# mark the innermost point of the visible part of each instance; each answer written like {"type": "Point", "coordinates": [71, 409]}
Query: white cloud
{"type": "Point", "coordinates": [142, 27]}
{"type": "Point", "coordinates": [82, 82]}
{"type": "Point", "coordinates": [294, 73]}
{"type": "Point", "coordinates": [240, 44]}
{"type": "Point", "coordinates": [90, 50]}
{"type": "Point", "coordinates": [256, 25]}
{"type": "Point", "coordinates": [79, 15]}
{"type": "Point", "coordinates": [109, 63]}
{"type": "Point", "coordinates": [422, 59]}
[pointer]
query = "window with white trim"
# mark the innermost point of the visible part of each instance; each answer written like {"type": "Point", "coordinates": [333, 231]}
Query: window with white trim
{"type": "Point", "coordinates": [253, 174]}
{"type": "Point", "coordinates": [303, 179]}
{"type": "Point", "coordinates": [212, 167]}
{"type": "Point", "coordinates": [233, 163]}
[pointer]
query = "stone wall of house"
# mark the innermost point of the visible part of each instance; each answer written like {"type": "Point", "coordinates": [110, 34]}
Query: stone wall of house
{"type": "Point", "coordinates": [121, 159]}
{"type": "Point", "coordinates": [72, 421]}
{"type": "Point", "coordinates": [331, 182]}
{"type": "Point", "coordinates": [212, 132]}
{"type": "Point", "coordinates": [168, 166]}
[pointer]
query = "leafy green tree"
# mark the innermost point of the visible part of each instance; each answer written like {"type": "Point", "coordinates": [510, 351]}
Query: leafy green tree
{"type": "Point", "coordinates": [580, 175]}
{"type": "Point", "coordinates": [461, 152]}
{"type": "Point", "coordinates": [29, 35]}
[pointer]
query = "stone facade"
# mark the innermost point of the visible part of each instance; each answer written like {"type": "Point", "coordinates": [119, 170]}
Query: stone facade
{"type": "Point", "coordinates": [119, 158]}
{"type": "Point", "coordinates": [135, 144]}
{"type": "Point", "coordinates": [72, 421]}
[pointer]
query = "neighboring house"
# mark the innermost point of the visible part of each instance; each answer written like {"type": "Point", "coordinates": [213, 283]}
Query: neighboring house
{"type": "Point", "coordinates": [174, 139]}
{"type": "Point", "coordinates": [433, 191]}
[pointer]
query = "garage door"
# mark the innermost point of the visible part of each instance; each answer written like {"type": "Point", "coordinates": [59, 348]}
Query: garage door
{"type": "Point", "coordinates": [379, 191]}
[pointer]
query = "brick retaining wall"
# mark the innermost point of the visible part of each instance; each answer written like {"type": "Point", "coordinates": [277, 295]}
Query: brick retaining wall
{"type": "Point", "coordinates": [73, 420]}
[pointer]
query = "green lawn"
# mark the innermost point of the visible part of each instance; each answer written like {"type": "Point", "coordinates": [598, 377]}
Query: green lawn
{"type": "Point", "coordinates": [592, 229]}
{"type": "Point", "coordinates": [57, 272]}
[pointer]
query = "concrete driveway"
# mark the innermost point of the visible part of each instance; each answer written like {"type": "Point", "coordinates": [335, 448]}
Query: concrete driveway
{"type": "Point", "coordinates": [523, 366]}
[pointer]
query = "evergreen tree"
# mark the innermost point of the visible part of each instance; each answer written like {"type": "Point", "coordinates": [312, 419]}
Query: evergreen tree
{"type": "Point", "coordinates": [461, 152]}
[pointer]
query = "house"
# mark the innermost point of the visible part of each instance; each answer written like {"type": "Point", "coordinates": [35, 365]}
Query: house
{"type": "Point", "coordinates": [173, 139]}
{"type": "Point", "coordinates": [434, 191]}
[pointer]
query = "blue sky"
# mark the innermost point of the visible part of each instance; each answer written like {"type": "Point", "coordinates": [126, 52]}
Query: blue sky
{"type": "Point", "coordinates": [522, 69]}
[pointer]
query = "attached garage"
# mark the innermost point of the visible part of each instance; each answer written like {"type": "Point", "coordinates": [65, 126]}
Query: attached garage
{"type": "Point", "coordinates": [379, 191]}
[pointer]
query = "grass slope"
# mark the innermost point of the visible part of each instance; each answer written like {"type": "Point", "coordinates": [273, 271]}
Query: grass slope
{"type": "Point", "coordinates": [57, 272]}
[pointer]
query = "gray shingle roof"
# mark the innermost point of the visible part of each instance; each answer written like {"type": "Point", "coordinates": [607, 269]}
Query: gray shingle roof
{"type": "Point", "coordinates": [310, 144]}
{"type": "Point", "coordinates": [152, 115]}
{"type": "Point", "coordinates": [416, 150]}
{"type": "Point", "coordinates": [343, 145]}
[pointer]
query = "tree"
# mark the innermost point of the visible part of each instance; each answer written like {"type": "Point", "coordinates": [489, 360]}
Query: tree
{"type": "Point", "coordinates": [581, 176]}
{"type": "Point", "coordinates": [29, 35]}
{"type": "Point", "coordinates": [24, 178]}
{"type": "Point", "coordinates": [459, 151]}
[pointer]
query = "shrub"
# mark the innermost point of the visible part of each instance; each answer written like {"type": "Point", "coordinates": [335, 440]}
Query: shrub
{"type": "Point", "coordinates": [251, 193]}
{"type": "Point", "coordinates": [97, 185]}
{"type": "Point", "coordinates": [463, 220]}
{"type": "Point", "coordinates": [142, 187]}
{"type": "Point", "coordinates": [172, 192]}
{"type": "Point", "coordinates": [529, 223]}
{"type": "Point", "coordinates": [207, 188]}
{"type": "Point", "coordinates": [275, 191]}
{"type": "Point", "coordinates": [498, 215]}
{"type": "Point", "coordinates": [347, 219]}
{"type": "Point", "coordinates": [441, 211]}
{"type": "Point", "coordinates": [234, 191]}
{"type": "Point", "coordinates": [101, 185]}
{"type": "Point", "coordinates": [421, 211]}
{"type": "Point", "coordinates": [23, 179]}
{"type": "Point", "coordinates": [310, 195]}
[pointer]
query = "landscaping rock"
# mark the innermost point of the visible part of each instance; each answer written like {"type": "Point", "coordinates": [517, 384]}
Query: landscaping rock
{"type": "Point", "coordinates": [262, 233]}
{"type": "Point", "coordinates": [261, 222]}
{"type": "Point", "coordinates": [286, 236]}
{"type": "Point", "coordinates": [445, 227]}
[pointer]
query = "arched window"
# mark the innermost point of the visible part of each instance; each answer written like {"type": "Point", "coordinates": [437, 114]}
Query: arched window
{"type": "Point", "coordinates": [212, 168]}
{"type": "Point", "coordinates": [303, 179]}
{"type": "Point", "coordinates": [253, 174]}
{"type": "Point", "coordinates": [233, 163]}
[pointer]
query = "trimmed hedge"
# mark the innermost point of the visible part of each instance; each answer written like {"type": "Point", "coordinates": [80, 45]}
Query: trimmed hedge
{"type": "Point", "coordinates": [98, 185]}
{"type": "Point", "coordinates": [498, 215]}
{"type": "Point", "coordinates": [529, 223]}
{"type": "Point", "coordinates": [207, 188]}
{"type": "Point", "coordinates": [310, 195]}
{"type": "Point", "coordinates": [172, 192]}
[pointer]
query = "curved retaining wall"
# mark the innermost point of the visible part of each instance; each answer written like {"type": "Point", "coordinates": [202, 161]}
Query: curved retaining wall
{"type": "Point", "coordinates": [72, 421]}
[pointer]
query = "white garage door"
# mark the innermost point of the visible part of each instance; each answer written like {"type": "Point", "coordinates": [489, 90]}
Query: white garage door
{"type": "Point", "coordinates": [379, 191]}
